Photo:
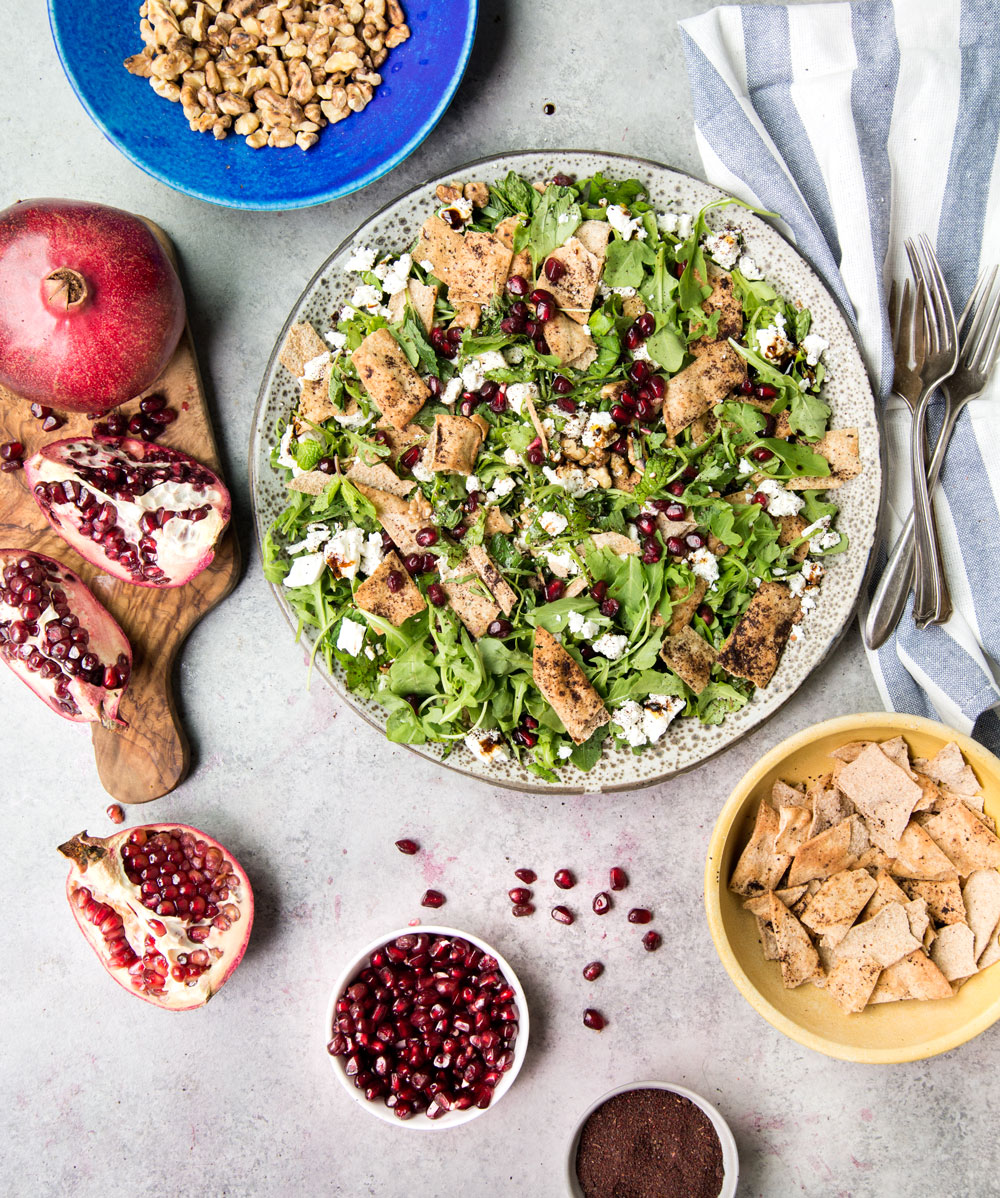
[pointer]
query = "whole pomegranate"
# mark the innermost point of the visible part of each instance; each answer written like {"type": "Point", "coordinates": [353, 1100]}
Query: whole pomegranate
{"type": "Point", "coordinates": [166, 908]}
{"type": "Point", "coordinates": [91, 308]}
{"type": "Point", "coordinates": [58, 639]}
{"type": "Point", "coordinates": [141, 512]}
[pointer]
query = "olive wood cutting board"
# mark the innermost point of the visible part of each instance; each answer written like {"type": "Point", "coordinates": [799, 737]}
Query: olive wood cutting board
{"type": "Point", "coordinates": [150, 757]}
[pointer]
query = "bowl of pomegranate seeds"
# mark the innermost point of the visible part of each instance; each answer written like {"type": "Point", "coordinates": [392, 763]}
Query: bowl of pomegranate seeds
{"type": "Point", "coordinates": [427, 1026]}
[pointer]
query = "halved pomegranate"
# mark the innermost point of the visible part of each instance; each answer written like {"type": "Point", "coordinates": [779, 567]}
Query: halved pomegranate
{"type": "Point", "coordinates": [166, 908]}
{"type": "Point", "coordinates": [58, 639]}
{"type": "Point", "coordinates": [144, 513]}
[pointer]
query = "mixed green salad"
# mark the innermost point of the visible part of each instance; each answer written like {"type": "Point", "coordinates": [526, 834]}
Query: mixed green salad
{"type": "Point", "coordinates": [704, 515]}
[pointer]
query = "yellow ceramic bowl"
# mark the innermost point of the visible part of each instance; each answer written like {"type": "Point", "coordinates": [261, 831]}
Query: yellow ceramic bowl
{"type": "Point", "coordinates": [889, 1032]}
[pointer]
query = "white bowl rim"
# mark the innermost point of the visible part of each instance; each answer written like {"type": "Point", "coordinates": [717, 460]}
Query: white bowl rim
{"type": "Point", "coordinates": [730, 1155]}
{"type": "Point", "coordinates": [450, 1118]}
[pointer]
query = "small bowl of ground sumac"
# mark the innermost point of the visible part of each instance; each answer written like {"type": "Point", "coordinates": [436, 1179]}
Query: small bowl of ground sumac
{"type": "Point", "coordinates": [652, 1140]}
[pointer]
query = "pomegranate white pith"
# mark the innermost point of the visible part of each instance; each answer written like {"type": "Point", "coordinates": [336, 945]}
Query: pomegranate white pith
{"type": "Point", "coordinates": [165, 907]}
{"type": "Point", "coordinates": [59, 639]}
{"type": "Point", "coordinates": [142, 512]}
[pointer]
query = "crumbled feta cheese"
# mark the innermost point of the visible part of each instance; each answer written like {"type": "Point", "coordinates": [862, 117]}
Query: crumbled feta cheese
{"type": "Point", "coordinates": [562, 565]}
{"type": "Point", "coordinates": [511, 457]}
{"type": "Point", "coordinates": [369, 653]}
{"type": "Point", "coordinates": [640, 354]}
{"type": "Point", "coordinates": [745, 467]}
{"type": "Point", "coordinates": [748, 268]}
{"type": "Point", "coordinates": [492, 359]}
{"type": "Point", "coordinates": [362, 259]}
{"type": "Point", "coordinates": [305, 570]}
{"type": "Point", "coordinates": [487, 746]}
{"type": "Point", "coordinates": [624, 225]}
{"type": "Point", "coordinates": [452, 391]}
{"type": "Point", "coordinates": [316, 536]}
{"type": "Point", "coordinates": [601, 430]}
{"type": "Point", "coordinates": [462, 206]}
{"type": "Point", "coordinates": [549, 427]}
{"type": "Point", "coordinates": [624, 292]}
{"type": "Point", "coordinates": [347, 312]}
{"type": "Point", "coordinates": [572, 478]}
{"type": "Point", "coordinates": [367, 297]}
{"type": "Point", "coordinates": [685, 223]}
{"type": "Point", "coordinates": [630, 718]}
{"type": "Point", "coordinates": [610, 645]}
{"type": "Point", "coordinates": [808, 602]}
{"type": "Point", "coordinates": [315, 368]}
{"type": "Point", "coordinates": [500, 488]}
{"type": "Point", "coordinates": [796, 634]}
{"type": "Point", "coordinates": [797, 584]}
{"type": "Point", "coordinates": [472, 483]}
{"type": "Point", "coordinates": [421, 473]}
{"type": "Point", "coordinates": [580, 626]}
{"type": "Point", "coordinates": [513, 355]}
{"type": "Point", "coordinates": [351, 636]}
{"type": "Point", "coordinates": [780, 502]}
{"type": "Point", "coordinates": [473, 375]}
{"type": "Point", "coordinates": [565, 751]}
{"type": "Point", "coordinates": [395, 276]}
{"type": "Point", "coordinates": [335, 340]}
{"type": "Point", "coordinates": [517, 393]}
{"type": "Point", "coordinates": [553, 523]}
{"type": "Point", "coordinates": [705, 564]}
{"type": "Point", "coordinates": [813, 571]}
{"type": "Point", "coordinates": [668, 222]}
{"type": "Point", "coordinates": [658, 713]}
{"type": "Point", "coordinates": [353, 419]}
{"type": "Point", "coordinates": [285, 456]}
{"type": "Point", "coordinates": [817, 526]}
{"type": "Point", "coordinates": [826, 540]}
{"type": "Point", "coordinates": [371, 553]}
{"type": "Point", "coordinates": [724, 247]}
{"type": "Point", "coordinates": [772, 341]}
{"type": "Point", "coordinates": [427, 265]}
{"type": "Point", "coordinates": [343, 551]}
{"type": "Point", "coordinates": [814, 345]}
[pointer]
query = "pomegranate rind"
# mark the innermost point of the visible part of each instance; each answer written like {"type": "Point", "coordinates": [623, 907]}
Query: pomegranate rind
{"type": "Point", "coordinates": [96, 864]}
{"type": "Point", "coordinates": [181, 557]}
{"type": "Point", "coordinates": [97, 704]}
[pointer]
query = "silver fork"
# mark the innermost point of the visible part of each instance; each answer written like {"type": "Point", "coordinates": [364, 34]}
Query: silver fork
{"type": "Point", "coordinates": [931, 601]}
{"type": "Point", "coordinates": [977, 360]}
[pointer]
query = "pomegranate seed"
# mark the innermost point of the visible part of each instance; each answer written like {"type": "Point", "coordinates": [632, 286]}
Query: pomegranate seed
{"type": "Point", "coordinates": [646, 325]}
{"type": "Point", "coordinates": [633, 338]}
{"type": "Point", "coordinates": [610, 608]}
{"type": "Point", "coordinates": [518, 285]}
{"type": "Point", "coordinates": [599, 591]}
{"type": "Point", "coordinates": [115, 814]}
{"type": "Point", "coordinates": [529, 721]}
{"type": "Point", "coordinates": [554, 269]}
{"type": "Point", "coordinates": [541, 296]}
{"type": "Point", "coordinates": [409, 847]}
{"type": "Point", "coordinates": [11, 450]}
{"type": "Point", "coordinates": [620, 414]}
{"type": "Point", "coordinates": [593, 1019]}
{"type": "Point", "coordinates": [619, 878]}
{"type": "Point", "coordinates": [646, 524]}
{"type": "Point", "coordinates": [561, 385]}
{"type": "Point", "coordinates": [554, 590]}
{"type": "Point", "coordinates": [499, 628]}
{"type": "Point", "coordinates": [658, 386]}
{"type": "Point", "coordinates": [676, 487]}
{"type": "Point", "coordinates": [535, 455]}
{"type": "Point", "coordinates": [432, 898]}
{"type": "Point", "coordinates": [694, 540]}
{"type": "Point", "coordinates": [394, 581]}
{"type": "Point", "coordinates": [675, 511]}
{"type": "Point", "coordinates": [761, 454]}
{"type": "Point", "coordinates": [651, 552]}
{"type": "Point", "coordinates": [705, 613]}
{"type": "Point", "coordinates": [426, 537]}
{"type": "Point", "coordinates": [562, 915]}
{"type": "Point", "coordinates": [675, 546]}
{"type": "Point", "coordinates": [652, 941]}
{"type": "Point", "coordinates": [410, 458]}
{"type": "Point", "coordinates": [638, 372]}
{"type": "Point", "coordinates": [519, 910]}
{"type": "Point", "coordinates": [545, 310]}
{"type": "Point", "coordinates": [519, 894]}
{"type": "Point", "coordinates": [690, 472]}
{"type": "Point", "coordinates": [524, 738]}
{"type": "Point", "coordinates": [745, 388]}
{"type": "Point", "coordinates": [564, 879]}
{"type": "Point", "coordinates": [602, 903]}
{"type": "Point", "coordinates": [640, 915]}
{"type": "Point", "coordinates": [526, 875]}
{"type": "Point", "coordinates": [436, 594]}
{"type": "Point", "coordinates": [593, 971]}
{"type": "Point", "coordinates": [763, 391]}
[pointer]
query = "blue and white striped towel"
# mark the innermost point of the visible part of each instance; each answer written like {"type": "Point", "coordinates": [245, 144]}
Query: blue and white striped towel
{"type": "Point", "coordinates": [863, 124]}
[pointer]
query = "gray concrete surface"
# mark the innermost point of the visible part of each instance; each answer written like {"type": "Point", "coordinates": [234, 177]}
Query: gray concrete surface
{"type": "Point", "coordinates": [99, 1093]}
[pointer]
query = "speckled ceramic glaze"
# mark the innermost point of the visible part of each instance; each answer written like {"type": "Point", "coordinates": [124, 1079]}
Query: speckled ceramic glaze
{"type": "Point", "coordinates": [687, 742]}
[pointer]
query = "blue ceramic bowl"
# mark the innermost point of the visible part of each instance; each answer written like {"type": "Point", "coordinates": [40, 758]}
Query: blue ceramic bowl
{"type": "Point", "coordinates": [420, 78]}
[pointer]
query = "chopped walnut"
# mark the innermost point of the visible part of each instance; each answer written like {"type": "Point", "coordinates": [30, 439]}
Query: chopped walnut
{"type": "Point", "coordinates": [274, 72]}
{"type": "Point", "coordinates": [478, 194]}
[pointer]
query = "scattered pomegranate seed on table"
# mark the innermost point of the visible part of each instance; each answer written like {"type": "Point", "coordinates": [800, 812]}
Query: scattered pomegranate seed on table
{"type": "Point", "coordinates": [432, 898]}
{"type": "Point", "coordinates": [519, 910]}
{"type": "Point", "coordinates": [593, 1019]}
{"type": "Point", "coordinates": [526, 875]}
{"type": "Point", "coordinates": [639, 915]}
{"type": "Point", "coordinates": [520, 894]}
{"type": "Point", "coordinates": [652, 941]}
{"type": "Point", "coordinates": [593, 971]}
{"type": "Point", "coordinates": [409, 847]}
{"type": "Point", "coordinates": [564, 879]}
{"type": "Point", "coordinates": [562, 915]}
{"type": "Point", "coordinates": [619, 878]}
{"type": "Point", "coordinates": [602, 903]}
{"type": "Point", "coordinates": [115, 813]}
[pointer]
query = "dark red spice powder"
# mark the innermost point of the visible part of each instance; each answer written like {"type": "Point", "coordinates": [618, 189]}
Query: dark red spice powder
{"type": "Point", "coordinates": [649, 1144]}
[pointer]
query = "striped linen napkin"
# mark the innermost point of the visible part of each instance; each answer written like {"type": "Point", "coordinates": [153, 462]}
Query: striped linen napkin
{"type": "Point", "coordinates": [863, 124]}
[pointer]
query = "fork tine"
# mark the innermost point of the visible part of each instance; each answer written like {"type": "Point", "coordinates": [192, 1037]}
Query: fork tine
{"type": "Point", "coordinates": [932, 309]}
{"type": "Point", "coordinates": [978, 308]}
{"type": "Point", "coordinates": [942, 301]}
{"type": "Point", "coordinates": [983, 286]}
{"type": "Point", "coordinates": [918, 273]}
{"type": "Point", "coordinates": [986, 358]}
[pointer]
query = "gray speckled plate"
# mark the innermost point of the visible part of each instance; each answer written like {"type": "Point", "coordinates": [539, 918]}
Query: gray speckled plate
{"type": "Point", "coordinates": [848, 392]}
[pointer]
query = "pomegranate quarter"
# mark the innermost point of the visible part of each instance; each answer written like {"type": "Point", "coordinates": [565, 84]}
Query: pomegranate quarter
{"type": "Point", "coordinates": [166, 908]}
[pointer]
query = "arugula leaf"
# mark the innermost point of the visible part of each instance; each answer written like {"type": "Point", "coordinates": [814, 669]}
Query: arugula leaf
{"type": "Point", "coordinates": [587, 755]}
{"type": "Point", "coordinates": [807, 413]}
{"type": "Point", "coordinates": [625, 262]}
{"type": "Point", "coordinates": [803, 319]}
{"type": "Point", "coordinates": [667, 345]}
{"type": "Point", "coordinates": [557, 217]}
{"type": "Point", "coordinates": [718, 700]}
{"type": "Point", "coordinates": [412, 672]}
{"type": "Point", "coordinates": [802, 462]}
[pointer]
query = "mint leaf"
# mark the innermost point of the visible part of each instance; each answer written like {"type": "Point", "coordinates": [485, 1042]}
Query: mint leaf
{"type": "Point", "coordinates": [307, 453]}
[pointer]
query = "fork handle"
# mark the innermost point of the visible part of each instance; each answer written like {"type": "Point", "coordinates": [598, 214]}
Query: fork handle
{"type": "Point", "coordinates": [931, 601]}
{"type": "Point", "coordinates": [889, 599]}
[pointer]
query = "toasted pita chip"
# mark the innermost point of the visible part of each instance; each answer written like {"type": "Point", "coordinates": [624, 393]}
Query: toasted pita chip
{"type": "Point", "coordinates": [952, 951]}
{"type": "Point", "coordinates": [760, 867]}
{"type": "Point", "coordinates": [943, 897]}
{"type": "Point", "coordinates": [931, 794]}
{"type": "Point", "coordinates": [315, 404]}
{"type": "Point", "coordinates": [839, 900]}
{"type": "Point", "coordinates": [690, 657]}
{"type": "Point", "coordinates": [468, 315]}
{"type": "Point", "coordinates": [760, 907]}
{"type": "Point", "coordinates": [874, 859]}
{"type": "Point", "coordinates": [706, 382]}
{"type": "Point", "coordinates": [468, 596]}
{"type": "Point", "coordinates": [453, 445]}
{"type": "Point", "coordinates": [915, 976]}
{"type": "Point", "coordinates": [793, 831]}
{"type": "Point", "coordinates": [887, 890]}
{"type": "Point", "coordinates": [918, 917]}
{"type": "Point", "coordinates": [568, 340]}
{"type": "Point", "coordinates": [828, 853]}
{"type": "Point", "coordinates": [310, 482]}
{"type": "Point", "coordinates": [724, 300]}
{"type": "Point", "coordinates": [685, 602]}
{"type": "Point", "coordinates": [386, 374]}
{"type": "Point", "coordinates": [799, 959]}
{"type": "Point", "coordinates": [381, 477]}
{"type": "Point", "coordinates": [851, 982]}
{"type": "Point", "coordinates": [886, 938]}
{"type": "Point", "coordinates": [851, 751]}
{"type": "Point", "coordinates": [302, 345]}
{"type": "Point", "coordinates": [617, 542]}
{"type": "Point", "coordinates": [401, 520]}
{"type": "Point", "coordinates": [489, 572]}
{"type": "Point", "coordinates": [421, 298]}
{"type": "Point", "coordinates": [882, 792]}
{"type": "Point", "coordinates": [375, 597]}
{"type": "Point", "coordinates": [950, 769]}
{"type": "Point", "coordinates": [566, 688]}
{"type": "Point", "coordinates": [917, 856]}
{"type": "Point", "coordinates": [783, 795]}
{"type": "Point", "coordinates": [991, 953]}
{"type": "Point", "coordinates": [790, 529]}
{"type": "Point", "coordinates": [840, 448]}
{"type": "Point", "coordinates": [964, 839]}
{"type": "Point", "coordinates": [829, 808]}
{"type": "Point", "coordinates": [754, 647]}
{"type": "Point", "coordinates": [496, 522]}
{"type": "Point", "coordinates": [575, 289]}
{"type": "Point", "coordinates": [474, 265]}
{"type": "Point", "coordinates": [981, 894]}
